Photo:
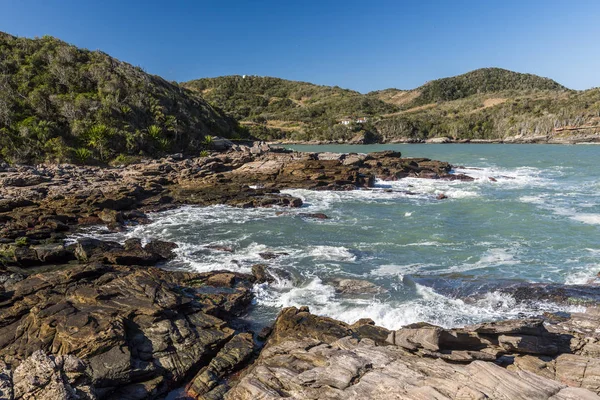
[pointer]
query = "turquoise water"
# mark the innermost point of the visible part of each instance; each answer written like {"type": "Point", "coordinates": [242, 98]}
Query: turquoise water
{"type": "Point", "coordinates": [440, 261]}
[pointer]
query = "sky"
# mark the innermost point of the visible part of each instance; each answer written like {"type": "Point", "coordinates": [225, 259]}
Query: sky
{"type": "Point", "coordinates": [360, 45]}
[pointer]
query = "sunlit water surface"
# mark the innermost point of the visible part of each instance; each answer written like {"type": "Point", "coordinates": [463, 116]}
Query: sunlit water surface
{"type": "Point", "coordinates": [440, 261]}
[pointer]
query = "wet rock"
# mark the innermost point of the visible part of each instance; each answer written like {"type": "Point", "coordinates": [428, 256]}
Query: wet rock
{"type": "Point", "coordinates": [163, 248]}
{"type": "Point", "coordinates": [261, 273]}
{"type": "Point", "coordinates": [88, 249]}
{"type": "Point", "coordinates": [227, 249]}
{"type": "Point", "coordinates": [313, 215]}
{"type": "Point", "coordinates": [456, 177]}
{"type": "Point", "coordinates": [441, 196]}
{"type": "Point", "coordinates": [356, 286]}
{"type": "Point", "coordinates": [270, 255]}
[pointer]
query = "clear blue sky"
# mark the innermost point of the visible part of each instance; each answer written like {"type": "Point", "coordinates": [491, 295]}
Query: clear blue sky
{"type": "Point", "coordinates": [362, 45]}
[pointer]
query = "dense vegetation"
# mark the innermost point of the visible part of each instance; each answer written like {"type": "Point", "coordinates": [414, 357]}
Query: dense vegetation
{"type": "Point", "coordinates": [276, 108]}
{"type": "Point", "coordinates": [488, 103]}
{"type": "Point", "coordinates": [62, 103]}
{"type": "Point", "coordinates": [484, 80]}
{"type": "Point", "coordinates": [499, 115]}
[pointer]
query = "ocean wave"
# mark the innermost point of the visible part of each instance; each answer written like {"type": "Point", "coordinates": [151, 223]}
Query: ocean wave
{"type": "Point", "coordinates": [399, 270]}
{"type": "Point", "coordinates": [332, 253]}
{"type": "Point", "coordinates": [587, 218]}
{"type": "Point", "coordinates": [587, 274]}
{"type": "Point", "coordinates": [495, 257]}
{"type": "Point", "coordinates": [427, 306]}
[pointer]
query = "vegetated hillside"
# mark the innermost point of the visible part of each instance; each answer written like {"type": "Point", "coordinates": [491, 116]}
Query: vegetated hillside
{"type": "Point", "coordinates": [507, 115]}
{"type": "Point", "coordinates": [62, 103]}
{"type": "Point", "coordinates": [480, 81]}
{"type": "Point", "coordinates": [489, 103]}
{"type": "Point", "coordinates": [276, 108]}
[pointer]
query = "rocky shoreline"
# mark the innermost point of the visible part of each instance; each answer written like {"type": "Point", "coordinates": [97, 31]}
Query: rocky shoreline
{"type": "Point", "coordinates": [95, 319]}
{"type": "Point", "coordinates": [586, 138]}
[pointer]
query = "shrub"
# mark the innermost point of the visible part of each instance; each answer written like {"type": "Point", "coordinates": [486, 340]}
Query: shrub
{"type": "Point", "coordinates": [82, 155]}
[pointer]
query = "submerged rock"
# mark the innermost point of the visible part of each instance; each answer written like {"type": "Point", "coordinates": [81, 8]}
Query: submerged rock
{"type": "Point", "coordinates": [356, 286]}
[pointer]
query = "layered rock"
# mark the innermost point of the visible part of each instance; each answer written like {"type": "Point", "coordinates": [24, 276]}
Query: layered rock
{"type": "Point", "coordinates": [115, 332]}
{"type": "Point", "coordinates": [309, 357]}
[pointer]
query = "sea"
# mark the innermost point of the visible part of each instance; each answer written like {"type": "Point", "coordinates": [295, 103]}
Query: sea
{"type": "Point", "coordinates": [530, 217]}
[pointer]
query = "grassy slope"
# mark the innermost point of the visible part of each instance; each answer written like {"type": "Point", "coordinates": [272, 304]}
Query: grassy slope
{"type": "Point", "coordinates": [488, 103]}
{"type": "Point", "coordinates": [276, 108]}
{"type": "Point", "coordinates": [62, 103]}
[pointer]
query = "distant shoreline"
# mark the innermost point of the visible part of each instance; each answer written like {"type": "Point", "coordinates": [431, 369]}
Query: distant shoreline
{"type": "Point", "coordinates": [596, 141]}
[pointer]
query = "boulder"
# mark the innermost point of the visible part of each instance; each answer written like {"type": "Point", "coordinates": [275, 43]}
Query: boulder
{"type": "Point", "coordinates": [261, 273]}
{"type": "Point", "coordinates": [356, 286]}
{"type": "Point", "coordinates": [53, 253]}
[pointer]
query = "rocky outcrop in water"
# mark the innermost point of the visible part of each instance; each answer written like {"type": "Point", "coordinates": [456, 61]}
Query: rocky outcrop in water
{"type": "Point", "coordinates": [40, 205]}
{"type": "Point", "coordinates": [97, 319]}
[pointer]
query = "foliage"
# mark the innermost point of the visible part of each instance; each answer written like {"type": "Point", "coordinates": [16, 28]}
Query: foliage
{"type": "Point", "coordinates": [264, 104]}
{"type": "Point", "coordinates": [489, 103]}
{"type": "Point", "coordinates": [56, 98]}
{"type": "Point", "coordinates": [484, 80]}
{"type": "Point", "coordinates": [82, 154]}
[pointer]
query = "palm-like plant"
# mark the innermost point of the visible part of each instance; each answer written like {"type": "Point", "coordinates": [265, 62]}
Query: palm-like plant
{"type": "Point", "coordinates": [82, 154]}
{"type": "Point", "coordinates": [97, 137]}
{"type": "Point", "coordinates": [208, 141]}
{"type": "Point", "coordinates": [155, 132]}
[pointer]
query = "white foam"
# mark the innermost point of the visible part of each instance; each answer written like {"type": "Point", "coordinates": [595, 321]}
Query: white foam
{"type": "Point", "coordinates": [494, 257]}
{"type": "Point", "coordinates": [532, 199]}
{"type": "Point", "coordinates": [587, 274]}
{"type": "Point", "coordinates": [429, 306]}
{"type": "Point", "coordinates": [587, 218]}
{"type": "Point", "coordinates": [427, 243]}
{"type": "Point", "coordinates": [332, 253]}
{"type": "Point", "coordinates": [202, 259]}
{"type": "Point", "coordinates": [399, 270]}
{"type": "Point", "coordinates": [517, 177]}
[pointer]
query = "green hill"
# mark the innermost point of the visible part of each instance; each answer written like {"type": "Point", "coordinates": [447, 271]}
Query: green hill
{"type": "Point", "coordinates": [488, 103]}
{"type": "Point", "coordinates": [276, 108]}
{"type": "Point", "coordinates": [481, 81]}
{"type": "Point", "coordinates": [62, 103]}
